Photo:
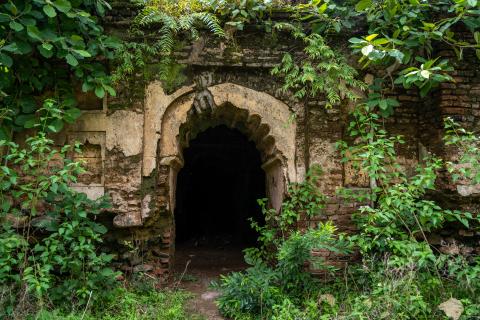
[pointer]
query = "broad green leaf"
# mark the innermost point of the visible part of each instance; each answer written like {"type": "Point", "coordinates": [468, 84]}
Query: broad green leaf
{"type": "Point", "coordinates": [356, 40]}
{"type": "Point", "coordinates": [86, 87]}
{"type": "Point", "coordinates": [30, 123]}
{"type": "Point", "coordinates": [49, 11]}
{"type": "Point", "coordinates": [27, 21]}
{"type": "Point", "coordinates": [47, 46]}
{"type": "Point", "coordinates": [4, 133]}
{"type": "Point", "coordinates": [28, 104]}
{"type": "Point", "coordinates": [34, 33]}
{"type": "Point", "coordinates": [44, 52]}
{"type": "Point", "coordinates": [5, 60]}
{"type": "Point", "coordinates": [363, 4]}
{"type": "Point", "coordinates": [4, 17]}
{"type": "Point", "coordinates": [82, 53]}
{"type": "Point", "coordinates": [56, 125]}
{"type": "Point", "coordinates": [16, 26]}
{"type": "Point", "coordinates": [110, 91]}
{"type": "Point", "coordinates": [100, 92]}
{"type": "Point", "coordinates": [62, 5]}
{"type": "Point", "coordinates": [22, 119]}
{"type": "Point", "coordinates": [383, 105]}
{"type": "Point", "coordinates": [72, 114]}
{"type": "Point", "coordinates": [71, 60]}
{"type": "Point", "coordinates": [380, 41]}
{"type": "Point", "coordinates": [12, 47]}
{"type": "Point", "coordinates": [323, 8]}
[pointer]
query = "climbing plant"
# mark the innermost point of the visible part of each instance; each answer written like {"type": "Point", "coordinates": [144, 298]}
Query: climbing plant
{"type": "Point", "coordinates": [49, 237]}
{"type": "Point", "coordinates": [398, 47]}
{"type": "Point", "coordinates": [167, 23]}
{"type": "Point", "coordinates": [50, 49]}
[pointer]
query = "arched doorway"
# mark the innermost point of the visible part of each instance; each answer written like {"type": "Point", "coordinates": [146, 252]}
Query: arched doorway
{"type": "Point", "coordinates": [172, 122]}
{"type": "Point", "coordinates": [216, 196]}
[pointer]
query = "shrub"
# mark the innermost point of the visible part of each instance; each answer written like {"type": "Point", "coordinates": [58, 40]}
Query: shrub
{"type": "Point", "coordinates": [49, 239]}
{"type": "Point", "coordinates": [251, 292]}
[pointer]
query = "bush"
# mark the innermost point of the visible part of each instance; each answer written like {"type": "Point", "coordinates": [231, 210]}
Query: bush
{"type": "Point", "coordinates": [251, 292]}
{"type": "Point", "coordinates": [49, 239]}
{"type": "Point", "coordinates": [281, 277]}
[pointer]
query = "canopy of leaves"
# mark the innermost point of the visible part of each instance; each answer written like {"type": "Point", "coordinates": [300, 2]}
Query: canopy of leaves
{"type": "Point", "coordinates": [49, 49]}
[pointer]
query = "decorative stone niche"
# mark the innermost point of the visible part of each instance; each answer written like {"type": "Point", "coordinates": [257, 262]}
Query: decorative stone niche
{"type": "Point", "coordinates": [92, 182]}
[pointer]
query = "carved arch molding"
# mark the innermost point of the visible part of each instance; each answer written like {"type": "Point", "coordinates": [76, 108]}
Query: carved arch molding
{"type": "Point", "coordinates": [171, 121]}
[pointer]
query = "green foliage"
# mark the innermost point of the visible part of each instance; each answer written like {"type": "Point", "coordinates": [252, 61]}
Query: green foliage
{"type": "Point", "coordinates": [428, 76]}
{"type": "Point", "coordinates": [468, 144]}
{"type": "Point", "coordinates": [36, 37]}
{"type": "Point", "coordinates": [323, 71]}
{"type": "Point", "coordinates": [405, 33]}
{"type": "Point", "coordinates": [255, 292]}
{"type": "Point", "coordinates": [130, 304]}
{"type": "Point", "coordinates": [289, 311]}
{"type": "Point", "coordinates": [249, 293]}
{"type": "Point", "coordinates": [278, 273]}
{"type": "Point", "coordinates": [304, 201]}
{"type": "Point", "coordinates": [401, 217]}
{"type": "Point", "coordinates": [238, 13]}
{"type": "Point", "coordinates": [296, 250]}
{"type": "Point", "coordinates": [49, 236]}
{"type": "Point", "coordinates": [395, 224]}
{"type": "Point", "coordinates": [394, 294]}
{"type": "Point", "coordinates": [168, 25]}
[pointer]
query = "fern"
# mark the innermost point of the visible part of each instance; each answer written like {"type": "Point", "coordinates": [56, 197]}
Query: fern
{"type": "Point", "coordinates": [167, 21]}
{"type": "Point", "coordinates": [211, 22]}
{"type": "Point", "coordinates": [320, 71]}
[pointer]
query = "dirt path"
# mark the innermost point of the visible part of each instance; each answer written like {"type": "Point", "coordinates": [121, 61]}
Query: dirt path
{"type": "Point", "coordinates": [205, 265]}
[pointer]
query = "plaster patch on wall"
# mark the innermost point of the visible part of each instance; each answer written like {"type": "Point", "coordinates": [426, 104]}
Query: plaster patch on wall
{"type": "Point", "coordinates": [468, 190]}
{"type": "Point", "coordinates": [156, 103]}
{"type": "Point", "coordinates": [125, 132]}
{"type": "Point", "coordinates": [146, 206]}
{"type": "Point", "coordinates": [324, 154]}
{"type": "Point", "coordinates": [92, 192]}
{"type": "Point", "coordinates": [123, 129]}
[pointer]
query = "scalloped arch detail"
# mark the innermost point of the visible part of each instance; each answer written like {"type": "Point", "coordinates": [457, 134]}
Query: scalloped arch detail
{"type": "Point", "coordinates": [263, 119]}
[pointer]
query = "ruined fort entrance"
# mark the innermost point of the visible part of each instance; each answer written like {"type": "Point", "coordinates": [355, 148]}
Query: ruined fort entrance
{"type": "Point", "coordinates": [209, 153]}
{"type": "Point", "coordinates": [216, 195]}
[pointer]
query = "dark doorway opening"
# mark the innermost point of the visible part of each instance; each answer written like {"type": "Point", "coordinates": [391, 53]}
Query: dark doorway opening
{"type": "Point", "coordinates": [216, 195]}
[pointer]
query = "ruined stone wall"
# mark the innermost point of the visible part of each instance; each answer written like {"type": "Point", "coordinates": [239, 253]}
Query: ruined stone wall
{"type": "Point", "coordinates": [134, 140]}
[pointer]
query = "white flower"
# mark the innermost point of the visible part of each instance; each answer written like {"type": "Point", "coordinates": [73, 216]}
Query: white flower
{"type": "Point", "coordinates": [425, 74]}
{"type": "Point", "coordinates": [367, 50]}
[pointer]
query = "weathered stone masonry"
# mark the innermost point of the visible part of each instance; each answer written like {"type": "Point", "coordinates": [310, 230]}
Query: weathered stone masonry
{"type": "Point", "coordinates": [135, 140]}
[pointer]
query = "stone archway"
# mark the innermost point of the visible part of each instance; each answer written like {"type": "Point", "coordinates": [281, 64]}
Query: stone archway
{"type": "Point", "coordinates": [171, 121]}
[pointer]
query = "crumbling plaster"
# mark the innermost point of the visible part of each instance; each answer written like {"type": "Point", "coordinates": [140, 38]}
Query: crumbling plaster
{"type": "Point", "coordinates": [154, 138]}
{"type": "Point", "coordinates": [123, 135]}
{"type": "Point", "coordinates": [123, 128]}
